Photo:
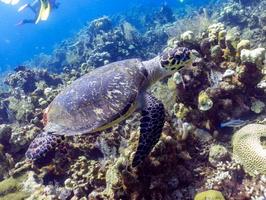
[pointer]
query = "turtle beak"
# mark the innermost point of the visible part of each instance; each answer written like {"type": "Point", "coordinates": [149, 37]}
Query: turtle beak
{"type": "Point", "coordinates": [188, 57]}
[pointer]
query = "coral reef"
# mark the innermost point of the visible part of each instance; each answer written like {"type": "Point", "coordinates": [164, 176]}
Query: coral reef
{"type": "Point", "coordinates": [194, 157]}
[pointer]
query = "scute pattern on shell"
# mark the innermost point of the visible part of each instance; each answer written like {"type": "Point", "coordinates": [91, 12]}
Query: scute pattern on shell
{"type": "Point", "coordinates": [248, 149]}
{"type": "Point", "coordinates": [97, 98]}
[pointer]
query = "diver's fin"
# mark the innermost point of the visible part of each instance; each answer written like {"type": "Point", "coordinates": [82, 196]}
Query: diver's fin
{"type": "Point", "coordinates": [23, 7]}
{"type": "Point", "coordinates": [6, 1]}
{"type": "Point", "coordinates": [40, 12]}
{"type": "Point", "coordinates": [151, 125]}
{"type": "Point", "coordinates": [13, 2]}
{"type": "Point", "coordinates": [46, 11]}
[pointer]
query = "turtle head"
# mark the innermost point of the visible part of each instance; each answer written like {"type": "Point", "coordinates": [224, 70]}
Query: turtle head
{"type": "Point", "coordinates": [177, 58]}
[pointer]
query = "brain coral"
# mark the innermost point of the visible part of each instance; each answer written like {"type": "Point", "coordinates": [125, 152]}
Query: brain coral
{"type": "Point", "coordinates": [248, 149]}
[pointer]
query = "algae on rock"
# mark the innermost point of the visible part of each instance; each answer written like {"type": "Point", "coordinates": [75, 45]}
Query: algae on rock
{"type": "Point", "coordinates": [19, 187]}
{"type": "Point", "coordinates": [20, 108]}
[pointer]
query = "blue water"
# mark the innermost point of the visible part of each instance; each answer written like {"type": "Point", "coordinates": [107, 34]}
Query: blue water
{"type": "Point", "coordinates": [20, 43]}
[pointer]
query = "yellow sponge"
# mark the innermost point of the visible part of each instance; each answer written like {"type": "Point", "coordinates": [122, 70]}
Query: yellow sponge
{"type": "Point", "coordinates": [210, 195]}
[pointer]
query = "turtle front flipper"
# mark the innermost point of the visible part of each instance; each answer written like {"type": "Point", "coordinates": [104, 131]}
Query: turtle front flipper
{"type": "Point", "coordinates": [42, 144]}
{"type": "Point", "coordinates": [151, 125]}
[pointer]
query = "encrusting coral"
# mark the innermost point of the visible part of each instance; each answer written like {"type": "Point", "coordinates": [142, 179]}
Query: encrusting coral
{"type": "Point", "coordinates": [248, 149]}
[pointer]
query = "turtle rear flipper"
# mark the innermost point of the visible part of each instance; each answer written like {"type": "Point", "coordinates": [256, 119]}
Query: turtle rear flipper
{"type": "Point", "coordinates": [151, 125]}
{"type": "Point", "coordinates": [42, 144]}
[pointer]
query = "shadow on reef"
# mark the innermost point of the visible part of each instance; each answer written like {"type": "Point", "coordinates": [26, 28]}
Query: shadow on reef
{"type": "Point", "coordinates": [194, 155]}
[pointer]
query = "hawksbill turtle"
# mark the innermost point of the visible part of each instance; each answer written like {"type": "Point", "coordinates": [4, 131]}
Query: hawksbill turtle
{"type": "Point", "coordinates": [108, 95]}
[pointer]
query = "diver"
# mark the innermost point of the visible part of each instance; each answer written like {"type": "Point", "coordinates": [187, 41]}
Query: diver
{"type": "Point", "coordinates": [41, 9]}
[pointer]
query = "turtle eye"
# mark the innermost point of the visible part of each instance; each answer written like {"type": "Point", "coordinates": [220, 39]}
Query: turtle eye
{"type": "Point", "coordinates": [178, 56]}
{"type": "Point", "coordinates": [181, 53]}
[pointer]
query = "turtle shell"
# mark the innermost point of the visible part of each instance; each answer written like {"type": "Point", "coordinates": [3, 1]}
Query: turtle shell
{"type": "Point", "coordinates": [97, 100]}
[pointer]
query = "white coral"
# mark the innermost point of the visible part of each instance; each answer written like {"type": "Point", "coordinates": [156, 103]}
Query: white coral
{"type": "Point", "coordinates": [188, 36]}
{"type": "Point", "coordinates": [256, 56]}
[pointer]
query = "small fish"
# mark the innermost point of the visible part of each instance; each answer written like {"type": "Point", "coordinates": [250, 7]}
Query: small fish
{"type": "Point", "coordinates": [233, 123]}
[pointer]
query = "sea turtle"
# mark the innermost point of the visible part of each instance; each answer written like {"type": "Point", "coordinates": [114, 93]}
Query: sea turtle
{"type": "Point", "coordinates": [108, 95]}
